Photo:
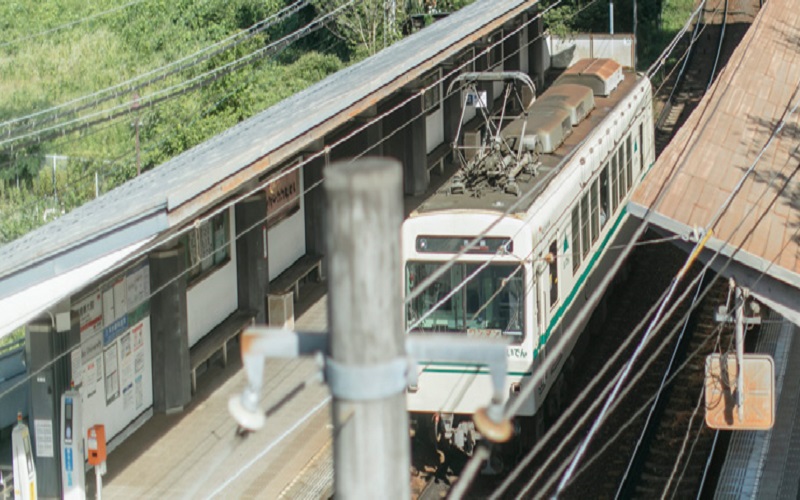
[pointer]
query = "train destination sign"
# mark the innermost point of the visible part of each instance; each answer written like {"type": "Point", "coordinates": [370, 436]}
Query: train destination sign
{"type": "Point", "coordinates": [454, 244]}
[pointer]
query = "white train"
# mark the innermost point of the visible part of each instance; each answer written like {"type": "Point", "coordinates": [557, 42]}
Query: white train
{"type": "Point", "coordinates": [569, 166]}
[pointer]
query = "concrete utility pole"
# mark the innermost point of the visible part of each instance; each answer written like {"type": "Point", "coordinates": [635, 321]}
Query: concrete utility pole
{"type": "Point", "coordinates": [371, 443]}
{"type": "Point", "coordinates": [611, 17]}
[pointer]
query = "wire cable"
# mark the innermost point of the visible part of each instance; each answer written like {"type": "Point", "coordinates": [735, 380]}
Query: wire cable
{"type": "Point", "coordinates": [629, 365]}
{"type": "Point", "coordinates": [595, 296]}
{"type": "Point", "coordinates": [225, 206]}
{"type": "Point", "coordinates": [683, 448]}
{"type": "Point", "coordinates": [719, 47]}
{"type": "Point", "coordinates": [728, 261]}
{"type": "Point", "coordinates": [70, 24]}
{"type": "Point", "coordinates": [158, 96]}
{"type": "Point", "coordinates": [715, 218]}
{"type": "Point", "coordinates": [116, 165]}
{"type": "Point", "coordinates": [658, 395]}
{"type": "Point", "coordinates": [152, 76]}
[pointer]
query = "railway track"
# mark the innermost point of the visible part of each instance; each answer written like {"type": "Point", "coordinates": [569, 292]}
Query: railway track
{"type": "Point", "coordinates": [721, 27]}
{"type": "Point", "coordinates": [675, 444]}
{"type": "Point", "coordinates": [627, 304]}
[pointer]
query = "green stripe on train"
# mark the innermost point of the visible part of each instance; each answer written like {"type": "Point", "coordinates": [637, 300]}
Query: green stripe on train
{"type": "Point", "coordinates": [585, 274]}
{"type": "Point", "coordinates": [473, 371]}
{"type": "Point", "coordinates": [554, 320]}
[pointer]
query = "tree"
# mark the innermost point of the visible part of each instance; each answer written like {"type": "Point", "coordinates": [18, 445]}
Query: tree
{"type": "Point", "coordinates": [366, 26]}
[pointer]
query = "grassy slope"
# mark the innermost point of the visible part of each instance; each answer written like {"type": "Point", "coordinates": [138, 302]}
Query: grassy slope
{"type": "Point", "coordinates": [47, 70]}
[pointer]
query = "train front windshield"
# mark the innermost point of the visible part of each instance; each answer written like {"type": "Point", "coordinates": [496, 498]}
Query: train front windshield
{"type": "Point", "coordinates": [490, 303]}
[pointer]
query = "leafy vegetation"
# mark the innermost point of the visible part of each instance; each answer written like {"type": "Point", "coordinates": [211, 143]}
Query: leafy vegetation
{"type": "Point", "coordinates": [208, 64]}
{"type": "Point", "coordinates": [66, 58]}
{"type": "Point", "coordinates": [657, 21]}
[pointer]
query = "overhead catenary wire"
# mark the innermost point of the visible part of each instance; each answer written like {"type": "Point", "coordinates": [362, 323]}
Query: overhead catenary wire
{"type": "Point", "coordinates": [225, 206]}
{"type": "Point", "coordinates": [123, 109]}
{"type": "Point", "coordinates": [721, 272]}
{"type": "Point", "coordinates": [116, 163]}
{"type": "Point", "coordinates": [152, 76]}
{"type": "Point", "coordinates": [728, 262]}
{"type": "Point", "coordinates": [209, 215]}
{"type": "Point", "coordinates": [640, 440]}
{"type": "Point", "coordinates": [592, 300]}
{"type": "Point", "coordinates": [397, 107]}
{"type": "Point", "coordinates": [719, 47]}
{"type": "Point", "coordinates": [629, 365]}
{"type": "Point", "coordinates": [686, 437]}
{"type": "Point", "coordinates": [458, 69]}
{"type": "Point", "coordinates": [586, 391]}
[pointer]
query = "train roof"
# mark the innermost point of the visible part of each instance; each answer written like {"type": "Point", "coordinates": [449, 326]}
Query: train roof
{"type": "Point", "coordinates": [498, 201]}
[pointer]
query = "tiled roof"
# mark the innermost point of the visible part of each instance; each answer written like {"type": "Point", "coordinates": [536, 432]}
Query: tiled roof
{"type": "Point", "coordinates": [724, 136]}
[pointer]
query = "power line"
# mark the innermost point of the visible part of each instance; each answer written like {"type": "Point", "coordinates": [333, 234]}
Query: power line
{"type": "Point", "coordinates": [161, 95]}
{"type": "Point", "coordinates": [225, 206]}
{"type": "Point", "coordinates": [141, 81]}
{"type": "Point", "coordinates": [70, 24]}
{"type": "Point", "coordinates": [118, 167]}
{"type": "Point", "coordinates": [664, 343]}
{"type": "Point", "coordinates": [729, 260]}
{"type": "Point", "coordinates": [658, 395]}
{"type": "Point", "coordinates": [593, 299]}
{"type": "Point", "coordinates": [723, 207]}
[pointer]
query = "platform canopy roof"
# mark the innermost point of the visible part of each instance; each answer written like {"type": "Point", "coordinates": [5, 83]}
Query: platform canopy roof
{"type": "Point", "coordinates": [745, 131]}
{"type": "Point", "coordinates": [174, 194]}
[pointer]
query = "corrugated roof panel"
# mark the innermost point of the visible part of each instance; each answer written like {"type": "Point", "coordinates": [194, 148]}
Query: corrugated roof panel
{"type": "Point", "coordinates": [724, 136]}
{"type": "Point", "coordinates": [205, 165]}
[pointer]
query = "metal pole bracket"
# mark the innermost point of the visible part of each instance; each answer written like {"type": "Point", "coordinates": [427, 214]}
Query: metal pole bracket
{"type": "Point", "coordinates": [366, 383]}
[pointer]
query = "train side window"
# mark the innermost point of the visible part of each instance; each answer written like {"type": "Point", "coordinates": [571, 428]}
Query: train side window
{"type": "Point", "coordinates": [554, 273]}
{"type": "Point", "coordinates": [641, 146]}
{"type": "Point", "coordinates": [604, 189]}
{"type": "Point", "coordinates": [614, 183]}
{"type": "Point", "coordinates": [620, 176]}
{"type": "Point", "coordinates": [629, 161]}
{"type": "Point", "coordinates": [576, 239]}
{"type": "Point", "coordinates": [595, 190]}
{"type": "Point", "coordinates": [585, 224]}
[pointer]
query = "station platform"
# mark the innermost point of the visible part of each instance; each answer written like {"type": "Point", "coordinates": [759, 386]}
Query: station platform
{"type": "Point", "coordinates": [766, 464]}
{"type": "Point", "coordinates": [196, 453]}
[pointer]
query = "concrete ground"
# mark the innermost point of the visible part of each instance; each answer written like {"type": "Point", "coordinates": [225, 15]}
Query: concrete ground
{"type": "Point", "coordinates": [197, 454]}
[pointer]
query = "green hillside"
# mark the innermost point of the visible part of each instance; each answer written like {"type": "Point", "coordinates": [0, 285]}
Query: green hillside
{"type": "Point", "coordinates": [52, 53]}
{"type": "Point", "coordinates": [81, 80]}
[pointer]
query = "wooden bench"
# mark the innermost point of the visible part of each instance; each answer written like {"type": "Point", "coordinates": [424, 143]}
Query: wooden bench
{"type": "Point", "coordinates": [218, 339]}
{"type": "Point", "coordinates": [291, 277]}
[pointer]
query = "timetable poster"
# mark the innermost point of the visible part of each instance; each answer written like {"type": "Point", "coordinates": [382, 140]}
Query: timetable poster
{"type": "Point", "coordinates": [111, 373]}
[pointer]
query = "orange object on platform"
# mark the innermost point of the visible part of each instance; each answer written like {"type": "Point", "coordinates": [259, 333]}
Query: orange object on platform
{"type": "Point", "coordinates": [96, 444]}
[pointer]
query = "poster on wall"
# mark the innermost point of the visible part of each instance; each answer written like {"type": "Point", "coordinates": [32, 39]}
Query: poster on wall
{"type": "Point", "coordinates": [111, 373]}
{"type": "Point", "coordinates": [116, 377]}
{"type": "Point", "coordinates": [90, 371]}
{"type": "Point", "coordinates": [44, 438]}
{"type": "Point", "coordinates": [137, 281]}
{"type": "Point", "coordinates": [126, 368]}
{"type": "Point", "coordinates": [77, 367]}
{"type": "Point", "coordinates": [115, 309]}
{"type": "Point", "coordinates": [90, 314]}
